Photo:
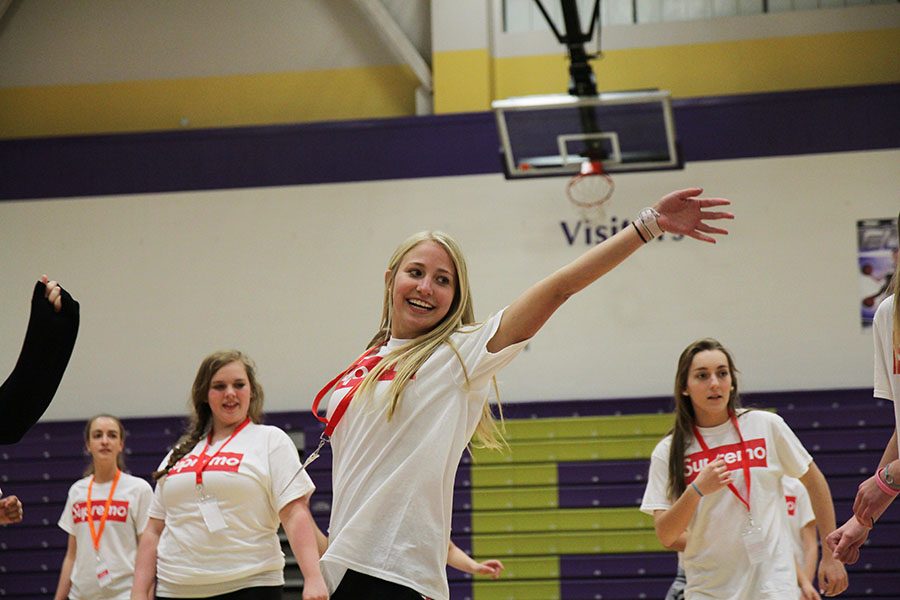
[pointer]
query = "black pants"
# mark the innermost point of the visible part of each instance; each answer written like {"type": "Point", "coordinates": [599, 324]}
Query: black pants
{"type": "Point", "coordinates": [269, 592]}
{"type": "Point", "coordinates": [357, 586]}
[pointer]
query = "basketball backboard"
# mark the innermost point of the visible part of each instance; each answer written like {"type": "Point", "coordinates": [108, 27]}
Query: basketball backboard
{"type": "Point", "coordinates": [552, 135]}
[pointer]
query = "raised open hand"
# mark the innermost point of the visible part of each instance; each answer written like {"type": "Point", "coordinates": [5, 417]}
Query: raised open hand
{"type": "Point", "coordinates": [681, 212]}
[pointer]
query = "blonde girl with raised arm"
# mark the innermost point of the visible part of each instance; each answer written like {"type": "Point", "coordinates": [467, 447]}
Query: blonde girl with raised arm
{"type": "Point", "coordinates": [408, 407]}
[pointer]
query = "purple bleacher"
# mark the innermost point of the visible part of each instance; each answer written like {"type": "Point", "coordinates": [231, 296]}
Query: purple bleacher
{"type": "Point", "coordinates": [592, 496]}
{"type": "Point", "coordinates": [874, 585]}
{"type": "Point", "coordinates": [850, 399]}
{"type": "Point", "coordinates": [26, 537]}
{"type": "Point", "coordinates": [615, 589]}
{"type": "Point", "coordinates": [809, 417]}
{"type": "Point", "coordinates": [604, 472]}
{"type": "Point", "coordinates": [861, 464]}
{"type": "Point", "coordinates": [35, 584]}
{"type": "Point", "coordinates": [461, 590]}
{"type": "Point", "coordinates": [844, 508]}
{"type": "Point", "coordinates": [618, 565]}
{"type": "Point", "coordinates": [875, 559]}
{"type": "Point", "coordinates": [885, 535]}
{"type": "Point", "coordinates": [43, 513]}
{"type": "Point", "coordinates": [852, 440]}
{"type": "Point", "coordinates": [585, 408]}
{"type": "Point", "coordinates": [59, 469]}
{"type": "Point", "coordinates": [31, 561]}
{"type": "Point", "coordinates": [34, 493]}
{"type": "Point", "coordinates": [847, 399]}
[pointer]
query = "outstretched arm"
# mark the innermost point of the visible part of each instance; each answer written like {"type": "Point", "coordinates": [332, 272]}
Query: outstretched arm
{"type": "Point", "coordinates": [680, 212]}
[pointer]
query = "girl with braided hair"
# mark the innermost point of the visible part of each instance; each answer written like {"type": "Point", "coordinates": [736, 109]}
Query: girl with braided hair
{"type": "Point", "coordinates": [220, 496]}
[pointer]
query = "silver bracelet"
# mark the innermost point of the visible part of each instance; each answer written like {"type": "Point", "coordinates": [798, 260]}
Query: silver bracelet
{"type": "Point", "coordinates": [649, 220]}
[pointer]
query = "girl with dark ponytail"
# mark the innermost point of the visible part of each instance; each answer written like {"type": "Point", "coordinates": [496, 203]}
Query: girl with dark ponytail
{"type": "Point", "coordinates": [715, 488]}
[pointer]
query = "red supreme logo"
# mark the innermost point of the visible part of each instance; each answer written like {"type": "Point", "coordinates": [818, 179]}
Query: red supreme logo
{"type": "Point", "coordinates": [118, 511]}
{"type": "Point", "coordinates": [757, 456]}
{"type": "Point", "coordinates": [223, 461]}
{"type": "Point", "coordinates": [362, 369]}
{"type": "Point", "coordinates": [791, 505]}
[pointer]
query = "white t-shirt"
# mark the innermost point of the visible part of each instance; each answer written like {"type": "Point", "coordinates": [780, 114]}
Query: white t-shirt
{"type": "Point", "coordinates": [393, 480]}
{"type": "Point", "coordinates": [252, 479]}
{"type": "Point", "coordinates": [800, 514]}
{"type": "Point", "coordinates": [887, 360]}
{"type": "Point", "coordinates": [118, 544]}
{"type": "Point", "coordinates": [715, 559]}
{"type": "Point", "coordinates": [799, 511]}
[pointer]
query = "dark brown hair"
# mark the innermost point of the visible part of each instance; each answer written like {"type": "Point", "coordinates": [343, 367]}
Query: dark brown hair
{"type": "Point", "coordinates": [682, 432]}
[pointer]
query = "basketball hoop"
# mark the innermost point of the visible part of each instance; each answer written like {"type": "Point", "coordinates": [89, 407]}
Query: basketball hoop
{"type": "Point", "coordinates": [590, 190]}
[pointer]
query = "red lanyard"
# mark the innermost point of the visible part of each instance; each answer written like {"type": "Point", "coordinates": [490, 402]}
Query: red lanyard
{"type": "Point", "coordinates": [97, 534]}
{"type": "Point", "coordinates": [338, 413]}
{"type": "Point", "coordinates": [205, 460]}
{"type": "Point", "coordinates": [745, 463]}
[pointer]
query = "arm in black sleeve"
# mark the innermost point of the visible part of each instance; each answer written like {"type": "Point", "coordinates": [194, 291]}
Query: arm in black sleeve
{"type": "Point", "coordinates": [49, 341]}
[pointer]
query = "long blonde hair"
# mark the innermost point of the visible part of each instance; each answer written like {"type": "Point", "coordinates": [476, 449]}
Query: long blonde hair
{"type": "Point", "coordinates": [407, 359]}
{"type": "Point", "coordinates": [201, 415]}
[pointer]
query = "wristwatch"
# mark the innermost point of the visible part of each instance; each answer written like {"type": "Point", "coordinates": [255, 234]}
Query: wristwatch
{"type": "Point", "coordinates": [889, 479]}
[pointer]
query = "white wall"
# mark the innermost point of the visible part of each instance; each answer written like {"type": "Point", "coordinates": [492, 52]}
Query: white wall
{"type": "Point", "coordinates": [293, 276]}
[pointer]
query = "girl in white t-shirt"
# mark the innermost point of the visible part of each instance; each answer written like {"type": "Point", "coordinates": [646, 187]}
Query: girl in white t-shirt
{"type": "Point", "coordinates": [715, 488]}
{"type": "Point", "coordinates": [877, 492]}
{"type": "Point", "coordinates": [105, 513]}
{"type": "Point", "coordinates": [422, 389]}
{"type": "Point", "coordinates": [220, 496]}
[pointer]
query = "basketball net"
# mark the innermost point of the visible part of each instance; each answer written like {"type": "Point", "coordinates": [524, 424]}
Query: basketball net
{"type": "Point", "coordinates": [590, 190]}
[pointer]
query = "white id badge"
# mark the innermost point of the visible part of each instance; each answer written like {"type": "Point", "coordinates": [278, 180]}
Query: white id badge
{"type": "Point", "coordinates": [754, 542]}
{"type": "Point", "coordinates": [103, 576]}
{"type": "Point", "coordinates": [212, 516]}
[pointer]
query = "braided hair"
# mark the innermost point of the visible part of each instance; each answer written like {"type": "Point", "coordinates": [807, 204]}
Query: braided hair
{"type": "Point", "coordinates": [201, 416]}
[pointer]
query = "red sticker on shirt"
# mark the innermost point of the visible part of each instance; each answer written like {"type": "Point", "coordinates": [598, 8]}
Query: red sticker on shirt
{"type": "Point", "coordinates": [223, 461]}
{"type": "Point", "coordinates": [361, 369]}
{"type": "Point", "coordinates": [118, 511]}
{"type": "Point", "coordinates": [732, 453]}
{"type": "Point", "coordinates": [791, 505]}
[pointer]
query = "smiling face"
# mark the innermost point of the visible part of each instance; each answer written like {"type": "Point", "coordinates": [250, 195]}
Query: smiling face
{"type": "Point", "coordinates": [229, 397]}
{"type": "Point", "coordinates": [105, 441]}
{"type": "Point", "coordinates": [423, 290]}
{"type": "Point", "coordinates": [709, 385]}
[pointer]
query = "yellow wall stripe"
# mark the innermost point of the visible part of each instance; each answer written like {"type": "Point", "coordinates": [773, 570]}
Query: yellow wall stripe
{"type": "Point", "coordinates": [734, 67]}
{"type": "Point", "coordinates": [259, 99]}
{"type": "Point", "coordinates": [462, 80]}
